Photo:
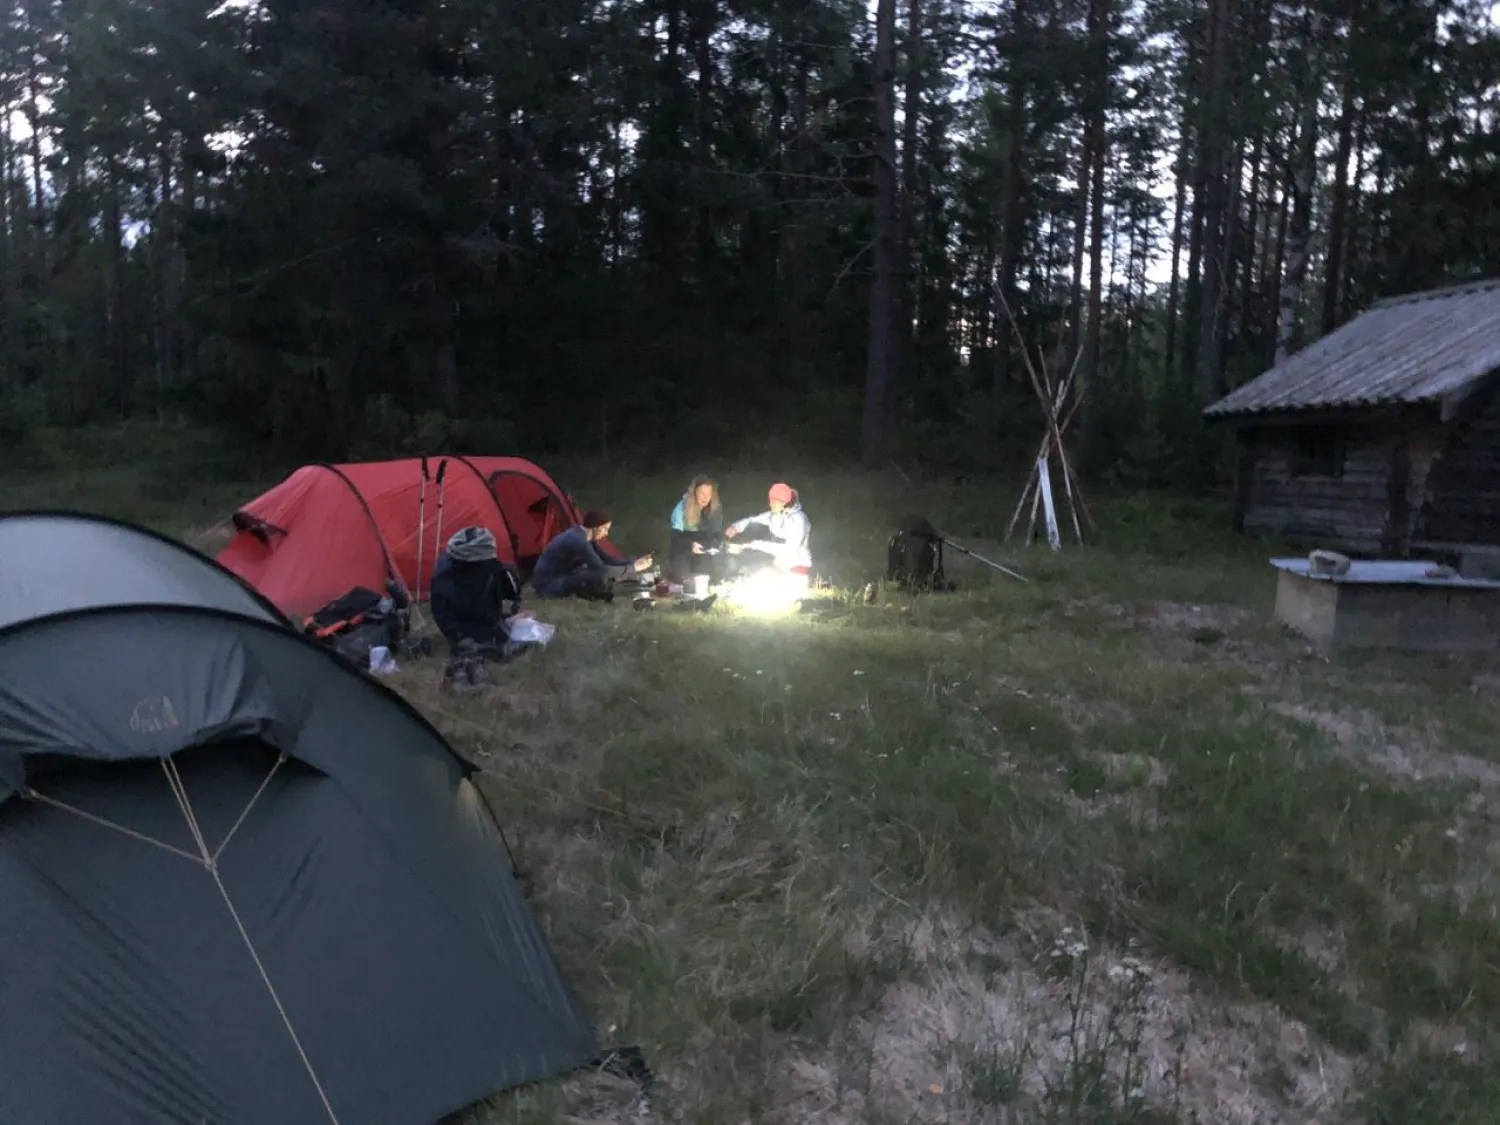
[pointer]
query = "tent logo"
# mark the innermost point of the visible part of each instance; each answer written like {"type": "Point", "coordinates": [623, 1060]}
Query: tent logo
{"type": "Point", "coordinates": [153, 716]}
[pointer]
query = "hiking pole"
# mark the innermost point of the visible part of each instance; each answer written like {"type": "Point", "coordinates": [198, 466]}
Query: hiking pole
{"type": "Point", "coordinates": [991, 563]}
{"type": "Point", "coordinates": [437, 540]}
{"type": "Point", "coordinates": [421, 527]}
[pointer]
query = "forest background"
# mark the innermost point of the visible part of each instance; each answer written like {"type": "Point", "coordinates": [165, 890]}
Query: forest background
{"type": "Point", "coordinates": [680, 229]}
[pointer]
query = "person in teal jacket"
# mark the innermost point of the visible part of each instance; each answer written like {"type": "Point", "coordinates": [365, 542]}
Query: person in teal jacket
{"type": "Point", "coordinates": [697, 528]}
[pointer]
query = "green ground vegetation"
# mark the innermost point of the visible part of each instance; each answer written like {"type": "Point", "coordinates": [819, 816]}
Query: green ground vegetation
{"type": "Point", "coordinates": [1106, 847]}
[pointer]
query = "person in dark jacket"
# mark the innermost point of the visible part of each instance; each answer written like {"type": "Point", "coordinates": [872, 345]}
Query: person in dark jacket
{"type": "Point", "coordinates": [473, 593]}
{"type": "Point", "coordinates": [697, 526]}
{"type": "Point", "coordinates": [571, 566]}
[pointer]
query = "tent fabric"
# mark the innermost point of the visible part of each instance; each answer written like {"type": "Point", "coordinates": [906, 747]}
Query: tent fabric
{"type": "Point", "coordinates": [246, 884]}
{"type": "Point", "coordinates": [329, 528]}
{"type": "Point", "coordinates": [55, 561]}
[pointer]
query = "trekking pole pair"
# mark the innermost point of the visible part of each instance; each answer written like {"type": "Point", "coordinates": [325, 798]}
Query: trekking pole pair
{"type": "Point", "coordinates": [437, 546]}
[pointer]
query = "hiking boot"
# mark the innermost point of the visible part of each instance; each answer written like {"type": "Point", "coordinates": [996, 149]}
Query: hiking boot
{"type": "Point", "coordinates": [465, 675]}
{"type": "Point", "coordinates": [417, 647]}
{"type": "Point", "coordinates": [477, 673]}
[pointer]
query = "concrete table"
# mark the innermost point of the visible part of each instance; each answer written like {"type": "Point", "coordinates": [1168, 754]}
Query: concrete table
{"type": "Point", "coordinates": [1389, 605]}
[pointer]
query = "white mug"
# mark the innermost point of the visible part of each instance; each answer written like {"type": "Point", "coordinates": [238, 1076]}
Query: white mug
{"type": "Point", "coordinates": [698, 586]}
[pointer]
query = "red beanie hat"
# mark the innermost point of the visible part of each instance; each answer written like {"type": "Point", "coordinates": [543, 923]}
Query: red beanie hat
{"type": "Point", "coordinates": [783, 493]}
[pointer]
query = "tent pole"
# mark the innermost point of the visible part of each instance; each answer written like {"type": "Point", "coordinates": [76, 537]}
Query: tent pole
{"type": "Point", "coordinates": [437, 540]}
{"type": "Point", "coordinates": [421, 529]}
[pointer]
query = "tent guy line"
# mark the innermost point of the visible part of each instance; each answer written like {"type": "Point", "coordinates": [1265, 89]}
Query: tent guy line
{"type": "Point", "coordinates": [42, 798]}
{"type": "Point", "coordinates": [209, 861]}
{"type": "Point", "coordinates": [235, 827]}
{"type": "Point", "coordinates": [206, 859]}
{"type": "Point", "coordinates": [179, 790]}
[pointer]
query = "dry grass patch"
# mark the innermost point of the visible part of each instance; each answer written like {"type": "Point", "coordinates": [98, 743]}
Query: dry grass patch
{"type": "Point", "coordinates": [1364, 740]}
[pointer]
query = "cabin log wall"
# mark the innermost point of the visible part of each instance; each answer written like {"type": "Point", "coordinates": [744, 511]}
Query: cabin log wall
{"type": "Point", "coordinates": [1349, 512]}
{"type": "Point", "coordinates": [1425, 446]}
{"type": "Point", "coordinates": [1410, 481]}
{"type": "Point", "coordinates": [1461, 497]}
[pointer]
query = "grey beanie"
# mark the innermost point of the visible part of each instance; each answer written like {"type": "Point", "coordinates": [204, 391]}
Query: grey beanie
{"type": "Point", "coordinates": [472, 544]}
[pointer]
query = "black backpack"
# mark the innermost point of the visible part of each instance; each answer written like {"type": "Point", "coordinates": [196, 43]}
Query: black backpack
{"type": "Point", "coordinates": [914, 557]}
{"type": "Point", "coordinates": [359, 620]}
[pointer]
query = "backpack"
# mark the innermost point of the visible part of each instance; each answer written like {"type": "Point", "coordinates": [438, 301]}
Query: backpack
{"type": "Point", "coordinates": [356, 622]}
{"type": "Point", "coordinates": [914, 556]}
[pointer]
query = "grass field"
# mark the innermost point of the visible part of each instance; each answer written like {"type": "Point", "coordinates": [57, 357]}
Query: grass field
{"type": "Point", "coordinates": [1104, 848]}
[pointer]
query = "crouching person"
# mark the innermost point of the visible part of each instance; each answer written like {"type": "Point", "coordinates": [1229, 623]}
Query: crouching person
{"type": "Point", "coordinates": [777, 539]}
{"type": "Point", "coordinates": [474, 594]}
{"type": "Point", "coordinates": [571, 566]}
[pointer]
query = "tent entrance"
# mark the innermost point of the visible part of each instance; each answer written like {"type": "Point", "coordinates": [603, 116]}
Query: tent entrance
{"type": "Point", "coordinates": [194, 808]}
{"type": "Point", "coordinates": [533, 512]}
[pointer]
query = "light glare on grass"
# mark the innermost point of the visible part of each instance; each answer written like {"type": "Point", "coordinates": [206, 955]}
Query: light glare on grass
{"type": "Point", "coordinates": [768, 593]}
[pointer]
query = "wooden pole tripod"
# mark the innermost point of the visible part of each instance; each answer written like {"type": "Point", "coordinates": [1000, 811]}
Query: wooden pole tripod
{"type": "Point", "coordinates": [1059, 414]}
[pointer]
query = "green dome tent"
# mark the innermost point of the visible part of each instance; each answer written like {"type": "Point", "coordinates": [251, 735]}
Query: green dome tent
{"type": "Point", "coordinates": [241, 882]}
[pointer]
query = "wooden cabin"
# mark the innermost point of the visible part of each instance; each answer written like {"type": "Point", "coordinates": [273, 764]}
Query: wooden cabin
{"type": "Point", "coordinates": [1383, 438]}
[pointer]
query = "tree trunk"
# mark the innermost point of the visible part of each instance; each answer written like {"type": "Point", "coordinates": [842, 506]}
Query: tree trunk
{"type": "Point", "coordinates": [1208, 375]}
{"type": "Point", "coordinates": [1278, 256]}
{"type": "Point", "coordinates": [1175, 287]}
{"type": "Point", "coordinates": [1099, 16]}
{"type": "Point", "coordinates": [770, 244]}
{"type": "Point", "coordinates": [1251, 241]}
{"type": "Point", "coordinates": [705, 13]}
{"type": "Point", "coordinates": [667, 175]}
{"type": "Point", "coordinates": [34, 119]}
{"type": "Point", "coordinates": [10, 251]}
{"type": "Point", "coordinates": [1355, 234]}
{"type": "Point", "coordinates": [158, 197]}
{"type": "Point", "coordinates": [881, 360]}
{"type": "Point", "coordinates": [1229, 268]}
{"type": "Point", "coordinates": [1012, 193]}
{"type": "Point", "coordinates": [911, 108]}
{"type": "Point", "coordinates": [1338, 218]}
{"type": "Point", "coordinates": [616, 196]}
{"type": "Point", "coordinates": [1080, 239]}
{"type": "Point", "coordinates": [1278, 187]}
{"type": "Point", "coordinates": [662, 188]}
{"type": "Point", "coordinates": [1304, 170]}
{"type": "Point", "coordinates": [115, 331]}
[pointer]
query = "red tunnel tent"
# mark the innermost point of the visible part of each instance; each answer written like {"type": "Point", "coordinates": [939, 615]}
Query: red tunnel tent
{"type": "Point", "coordinates": [328, 528]}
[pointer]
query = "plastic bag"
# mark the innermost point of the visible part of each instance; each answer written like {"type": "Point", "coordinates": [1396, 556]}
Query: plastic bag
{"type": "Point", "coordinates": [528, 630]}
{"type": "Point", "coordinates": [382, 663]}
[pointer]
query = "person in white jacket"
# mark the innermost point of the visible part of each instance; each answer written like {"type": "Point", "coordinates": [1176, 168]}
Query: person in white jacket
{"type": "Point", "coordinates": [783, 534]}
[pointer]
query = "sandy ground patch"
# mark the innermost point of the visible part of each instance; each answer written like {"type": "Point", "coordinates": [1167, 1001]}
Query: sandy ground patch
{"type": "Point", "coordinates": [987, 1033]}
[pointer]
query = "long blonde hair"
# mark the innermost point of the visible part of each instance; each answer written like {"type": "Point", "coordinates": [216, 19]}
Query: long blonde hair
{"type": "Point", "coordinates": [692, 513]}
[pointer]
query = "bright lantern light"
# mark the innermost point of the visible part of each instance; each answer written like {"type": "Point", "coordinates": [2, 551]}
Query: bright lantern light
{"type": "Point", "coordinates": [769, 592]}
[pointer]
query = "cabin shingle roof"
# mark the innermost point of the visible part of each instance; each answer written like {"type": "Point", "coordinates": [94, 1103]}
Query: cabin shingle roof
{"type": "Point", "coordinates": [1420, 348]}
